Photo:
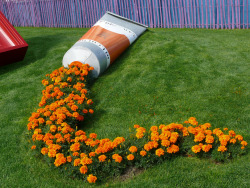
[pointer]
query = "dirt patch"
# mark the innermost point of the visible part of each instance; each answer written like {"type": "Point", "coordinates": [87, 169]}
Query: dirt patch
{"type": "Point", "coordinates": [130, 173]}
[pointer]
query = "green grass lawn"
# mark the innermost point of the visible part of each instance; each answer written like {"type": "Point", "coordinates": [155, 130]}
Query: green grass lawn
{"type": "Point", "coordinates": [167, 75]}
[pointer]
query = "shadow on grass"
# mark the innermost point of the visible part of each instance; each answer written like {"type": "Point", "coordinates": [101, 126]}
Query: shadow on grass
{"type": "Point", "coordinates": [38, 49]}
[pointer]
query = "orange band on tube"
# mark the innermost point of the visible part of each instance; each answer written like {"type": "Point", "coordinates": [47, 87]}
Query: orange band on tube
{"type": "Point", "coordinates": [115, 43]}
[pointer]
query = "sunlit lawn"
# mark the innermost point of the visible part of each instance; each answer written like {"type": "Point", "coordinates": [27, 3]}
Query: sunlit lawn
{"type": "Point", "coordinates": [167, 75]}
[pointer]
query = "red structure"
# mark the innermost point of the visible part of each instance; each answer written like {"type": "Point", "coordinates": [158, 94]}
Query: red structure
{"type": "Point", "coordinates": [12, 46]}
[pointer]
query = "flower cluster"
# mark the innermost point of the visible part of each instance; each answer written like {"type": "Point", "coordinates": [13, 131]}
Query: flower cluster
{"type": "Point", "coordinates": [216, 141]}
{"type": "Point", "coordinates": [65, 103]}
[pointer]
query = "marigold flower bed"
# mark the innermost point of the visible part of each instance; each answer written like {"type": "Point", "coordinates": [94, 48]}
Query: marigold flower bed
{"type": "Point", "coordinates": [65, 103]}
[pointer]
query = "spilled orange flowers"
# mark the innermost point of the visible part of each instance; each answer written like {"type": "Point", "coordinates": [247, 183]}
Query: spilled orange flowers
{"type": "Point", "coordinates": [65, 102]}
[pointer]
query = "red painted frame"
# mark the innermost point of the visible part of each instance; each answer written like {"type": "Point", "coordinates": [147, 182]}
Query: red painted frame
{"type": "Point", "coordinates": [12, 46]}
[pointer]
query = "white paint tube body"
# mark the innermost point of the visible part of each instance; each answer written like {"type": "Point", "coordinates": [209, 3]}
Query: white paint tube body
{"type": "Point", "coordinates": [104, 42]}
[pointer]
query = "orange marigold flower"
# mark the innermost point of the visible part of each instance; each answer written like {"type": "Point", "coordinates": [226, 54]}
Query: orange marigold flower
{"type": "Point", "coordinates": [84, 91]}
{"type": "Point", "coordinates": [208, 132]}
{"type": "Point", "coordinates": [185, 131]}
{"type": "Point", "coordinates": [60, 159]}
{"type": "Point", "coordinates": [139, 135]}
{"type": "Point", "coordinates": [222, 148]}
{"type": "Point", "coordinates": [49, 142]}
{"type": "Point", "coordinates": [159, 152]}
{"type": "Point", "coordinates": [55, 147]}
{"type": "Point", "coordinates": [86, 161]}
{"type": "Point", "coordinates": [59, 155]}
{"type": "Point", "coordinates": [199, 137]}
{"type": "Point", "coordinates": [33, 147]}
{"type": "Point", "coordinates": [77, 139]}
{"type": "Point", "coordinates": [53, 128]}
{"type": "Point", "coordinates": [117, 158]}
{"type": "Point", "coordinates": [80, 118]}
{"type": "Point", "coordinates": [102, 158]}
{"type": "Point", "coordinates": [37, 131]}
{"type": "Point", "coordinates": [140, 132]}
{"type": "Point", "coordinates": [136, 126]}
{"type": "Point", "coordinates": [165, 143]}
{"type": "Point", "coordinates": [69, 159]}
{"type": "Point", "coordinates": [58, 79]}
{"type": "Point", "coordinates": [92, 154]}
{"type": "Point", "coordinates": [47, 114]}
{"type": "Point", "coordinates": [93, 135]}
{"type": "Point", "coordinates": [154, 128]}
{"type": "Point", "coordinates": [80, 132]}
{"type": "Point", "coordinates": [52, 153]}
{"type": "Point", "coordinates": [175, 148]}
{"type": "Point", "coordinates": [89, 102]}
{"type": "Point", "coordinates": [217, 132]}
{"type": "Point", "coordinates": [206, 148]}
{"type": "Point", "coordinates": [75, 147]}
{"type": "Point", "coordinates": [169, 150]}
{"type": "Point", "coordinates": [233, 140]}
{"type": "Point", "coordinates": [174, 134]}
{"type": "Point", "coordinates": [119, 140]}
{"type": "Point", "coordinates": [57, 162]}
{"type": "Point", "coordinates": [85, 111]}
{"type": "Point", "coordinates": [77, 162]}
{"type": "Point", "coordinates": [133, 149]}
{"type": "Point", "coordinates": [75, 154]}
{"type": "Point", "coordinates": [48, 122]}
{"type": "Point", "coordinates": [130, 157]}
{"type": "Point", "coordinates": [141, 129]}
{"type": "Point", "coordinates": [58, 135]}
{"type": "Point", "coordinates": [192, 121]}
{"type": "Point", "coordinates": [165, 135]}
{"type": "Point", "coordinates": [83, 138]}
{"type": "Point", "coordinates": [155, 136]}
{"type": "Point", "coordinates": [147, 147]}
{"type": "Point", "coordinates": [161, 126]}
{"type": "Point", "coordinates": [206, 126]}
{"type": "Point", "coordinates": [225, 129]}
{"type": "Point", "coordinates": [154, 144]}
{"type": "Point", "coordinates": [231, 133]}
{"type": "Point", "coordinates": [242, 147]}
{"type": "Point", "coordinates": [91, 111]}
{"type": "Point", "coordinates": [239, 137]}
{"type": "Point", "coordinates": [223, 142]}
{"type": "Point", "coordinates": [69, 79]}
{"type": "Point", "coordinates": [173, 139]}
{"type": "Point", "coordinates": [244, 143]}
{"type": "Point", "coordinates": [209, 139]}
{"type": "Point", "coordinates": [39, 137]}
{"type": "Point", "coordinates": [74, 107]}
{"type": "Point", "coordinates": [44, 150]}
{"type": "Point", "coordinates": [196, 148]}
{"type": "Point", "coordinates": [45, 82]}
{"type": "Point", "coordinates": [224, 138]}
{"type": "Point", "coordinates": [75, 114]}
{"type": "Point", "coordinates": [91, 178]}
{"type": "Point", "coordinates": [84, 169]}
{"type": "Point", "coordinates": [41, 120]}
{"type": "Point", "coordinates": [82, 155]}
{"type": "Point", "coordinates": [52, 117]}
{"type": "Point", "coordinates": [143, 153]}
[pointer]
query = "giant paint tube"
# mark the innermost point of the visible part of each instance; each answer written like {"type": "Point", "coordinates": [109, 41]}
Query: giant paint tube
{"type": "Point", "coordinates": [104, 42]}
